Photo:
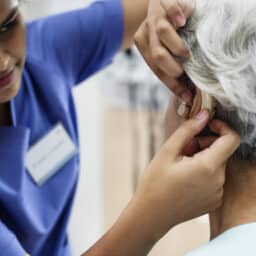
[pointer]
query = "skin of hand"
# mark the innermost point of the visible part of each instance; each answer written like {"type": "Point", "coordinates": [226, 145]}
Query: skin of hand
{"type": "Point", "coordinates": [135, 11]}
{"type": "Point", "coordinates": [176, 188]}
{"type": "Point", "coordinates": [161, 46]}
{"type": "Point", "coordinates": [173, 189]}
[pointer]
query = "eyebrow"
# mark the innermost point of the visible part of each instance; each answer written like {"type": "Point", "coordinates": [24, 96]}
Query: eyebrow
{"type": "Point", "coordinates": [11, 16]}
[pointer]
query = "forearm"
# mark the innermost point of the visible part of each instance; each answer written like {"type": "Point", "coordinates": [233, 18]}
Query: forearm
{"type": "Point", "coordinates": [131, 235]}
{"type": "Point", "coordinates": [135, 12]}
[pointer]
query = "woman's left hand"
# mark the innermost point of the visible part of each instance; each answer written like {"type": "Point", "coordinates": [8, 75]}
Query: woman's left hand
{"type": "Point", "coordinates": [160, 45]}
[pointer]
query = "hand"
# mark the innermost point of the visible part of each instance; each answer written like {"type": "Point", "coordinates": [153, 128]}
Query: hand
{"type": "Point", "coordinates": [176, 188]}
{"type": "Point", "coordinates": [160, 45]}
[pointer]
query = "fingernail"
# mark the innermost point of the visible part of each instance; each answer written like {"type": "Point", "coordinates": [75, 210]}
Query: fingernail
{"type": "Point", "coordinates": [202, 115]}
{"type": "Point", "coordinates": [186, 96]}
{"type": "Point", "coordinates": [180, 19]}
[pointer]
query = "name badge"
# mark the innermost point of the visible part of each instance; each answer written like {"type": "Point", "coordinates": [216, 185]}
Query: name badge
{"type": "Point", "coordinates": [50, 154]}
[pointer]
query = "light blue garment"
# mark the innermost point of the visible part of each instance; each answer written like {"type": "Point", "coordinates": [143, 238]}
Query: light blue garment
{"type": "Point", "coordinates": [62, 51]}
{"type": "Point", "coordinates": [238, 241]}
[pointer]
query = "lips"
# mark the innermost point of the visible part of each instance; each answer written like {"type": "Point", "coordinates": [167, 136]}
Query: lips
{"type": "Point", "coordinates": [6, 79]}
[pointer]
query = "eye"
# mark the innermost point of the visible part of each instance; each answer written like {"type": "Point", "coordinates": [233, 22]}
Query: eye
{"type": "Point", "coordinates": [7, 27]}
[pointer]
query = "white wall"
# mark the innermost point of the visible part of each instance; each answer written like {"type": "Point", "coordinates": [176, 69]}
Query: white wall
{"type": "Point", "coordinates": [87, 219]}
{"type": "Point", "coordinates": [38, 8]}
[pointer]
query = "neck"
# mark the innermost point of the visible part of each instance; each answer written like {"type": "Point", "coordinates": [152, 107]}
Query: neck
{"type": "Point", "coordinates": [239, 202]}
{"type": "Point", "coordinates": [5, 116]}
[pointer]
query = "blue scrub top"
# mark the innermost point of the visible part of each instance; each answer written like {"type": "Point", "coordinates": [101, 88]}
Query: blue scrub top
{"type": "Point", "coordinates": [237, 241]}
{"type": "Point", "coordinates": [62, 51]}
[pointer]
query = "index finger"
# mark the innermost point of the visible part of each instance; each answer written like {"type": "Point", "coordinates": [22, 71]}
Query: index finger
{"type": "Point", "coordinates": [223, 147]}
{"type": "Point", "coordinates": [186, 132]}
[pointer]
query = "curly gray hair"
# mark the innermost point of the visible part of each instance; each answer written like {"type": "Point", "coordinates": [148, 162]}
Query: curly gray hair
{"type": "Point", "coordinates": [222, 37]}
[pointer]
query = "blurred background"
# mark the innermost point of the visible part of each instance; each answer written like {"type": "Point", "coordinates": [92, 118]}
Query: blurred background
{"type": "Point", "coordinates": [121, 114]}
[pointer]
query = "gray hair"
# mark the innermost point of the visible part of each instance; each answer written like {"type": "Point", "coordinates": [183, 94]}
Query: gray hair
{"type": "Point", "coordinates": [222, 37]}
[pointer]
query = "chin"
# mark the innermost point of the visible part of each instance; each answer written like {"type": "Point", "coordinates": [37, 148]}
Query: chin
{"type": "Point", "coordinates": [9, 93]}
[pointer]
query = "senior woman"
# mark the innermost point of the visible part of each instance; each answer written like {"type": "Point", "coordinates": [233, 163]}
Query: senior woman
{"type": "Point", "coordinates": [222, 37]}
{"type": "Point", "coordinates": [39, 141]}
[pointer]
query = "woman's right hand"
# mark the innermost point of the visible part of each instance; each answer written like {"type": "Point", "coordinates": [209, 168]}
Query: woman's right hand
{"type": "Point", "coordinates": [176, 188]}
{"type": "Point", "coordinates": [173, 189]}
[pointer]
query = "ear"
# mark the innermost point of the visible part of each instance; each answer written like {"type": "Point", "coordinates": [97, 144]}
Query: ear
{"type": "Point", "coordinates": [202, 101]}
{"type": "Point", "coordinates": [197, 103]}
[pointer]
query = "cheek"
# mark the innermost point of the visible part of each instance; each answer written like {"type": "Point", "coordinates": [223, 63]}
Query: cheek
{"type": "Point", "coordinates": [16, 44]}
{"type": "Point", "coordinates": [172, 119]}
{"type": "Point", "coordinates": [21, 42]}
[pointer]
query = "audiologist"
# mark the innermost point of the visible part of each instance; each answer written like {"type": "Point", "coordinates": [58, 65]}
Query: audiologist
{"type": "Point", "coordinates": [40, 63]}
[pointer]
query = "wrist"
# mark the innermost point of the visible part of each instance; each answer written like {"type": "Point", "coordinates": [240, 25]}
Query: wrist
{"type": "Point", "coordinates": [136, 224]}
{"type": "Point", "coordinates": [153, 218]}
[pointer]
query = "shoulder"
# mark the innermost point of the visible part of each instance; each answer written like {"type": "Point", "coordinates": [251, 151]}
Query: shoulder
{"type": "Point", "coordinates": [96, 16]}
{"type": "Point", "coordinates": [236, 241]}
{"type": "Point", "coordinates": [80, 42]}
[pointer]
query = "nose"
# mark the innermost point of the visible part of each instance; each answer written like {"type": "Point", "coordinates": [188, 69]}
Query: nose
{"type": "Point", "coordinates": [4, 61]}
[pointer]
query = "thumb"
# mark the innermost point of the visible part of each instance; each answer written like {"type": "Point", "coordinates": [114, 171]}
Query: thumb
{"type": "Point", "coordinates": [186, 133]}
{"type": "Point", "coordinates": [178, 11]}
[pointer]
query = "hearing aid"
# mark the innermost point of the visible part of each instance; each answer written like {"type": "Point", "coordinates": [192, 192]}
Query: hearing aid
{"type": "Point", "coordinates": [207, 103]}
{"type": "Point", "coordinates": [183, 110]}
